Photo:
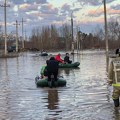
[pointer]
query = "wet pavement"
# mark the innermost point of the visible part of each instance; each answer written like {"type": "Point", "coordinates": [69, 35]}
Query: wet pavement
{"type": "Point", "coordinates": [86, 96]}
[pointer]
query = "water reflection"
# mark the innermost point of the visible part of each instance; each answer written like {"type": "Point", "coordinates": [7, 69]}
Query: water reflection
{"type": "Point", "coordinates": [116, 114]}
{"type": "Point", "coordinates": [4, 88]}
{"type": "Point", "coordinates": [53, 99]}
{"type": "Point", "coordinates": [107, 63]}
{"type": "Point", "coordinates": [67, 71]}
{"type": "Point", "coordinates": [73, 58]}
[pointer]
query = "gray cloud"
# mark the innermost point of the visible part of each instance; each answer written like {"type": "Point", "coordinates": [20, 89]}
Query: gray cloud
{"type": "Point", "coordinates": [17, 1]}
{"type": "Point", "coordinates": [76, 9]}
{"type": "Point", "coordinates": [28, 1]}
{"type": "Point", "coordinates": [93, 2]}
{"type": "Point", "coordinates": [109, 1]}
{"type": "Point", "coordinates": [28, 7]}
{"type": "Point", "coordinates": [116, 7]}
{"type": "Point", "coordinates": [90, 2]}
{"type": "Point", "coordinates": [48, 9]}
{"type": "Point", "coordinates": [37, 1]}
{"type": "Point", "coordinates": [66, 7]}
{"type": "Point", "coordinates": [40, 12]}
{"type": "Point", "coordinates": [66, 10]}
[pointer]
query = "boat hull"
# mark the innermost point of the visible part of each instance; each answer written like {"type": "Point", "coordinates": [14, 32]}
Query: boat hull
{"type": "Point", "coordinates": [44, 82]}
{"type": "Point", "coordinates": [44, 54]}
{"type": "Point", "coordinates": [72, 65]}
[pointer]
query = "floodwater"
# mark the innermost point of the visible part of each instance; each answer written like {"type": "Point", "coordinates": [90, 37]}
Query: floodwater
{"type": "Point", "coordinates": [86, 96]}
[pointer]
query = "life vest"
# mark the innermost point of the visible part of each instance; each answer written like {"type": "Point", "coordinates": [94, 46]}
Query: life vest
{"type": "Point", "coordinates": [42, 70]}
{"type": "Point", "coordinates": [57, 57]}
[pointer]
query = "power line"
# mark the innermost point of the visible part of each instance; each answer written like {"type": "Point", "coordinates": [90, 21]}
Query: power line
{"type": "Point", "coordinates": [97, 9]}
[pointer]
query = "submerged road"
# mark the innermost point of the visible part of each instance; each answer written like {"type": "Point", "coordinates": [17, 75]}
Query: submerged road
{"type": "Point", "coordinates": [86, 96]}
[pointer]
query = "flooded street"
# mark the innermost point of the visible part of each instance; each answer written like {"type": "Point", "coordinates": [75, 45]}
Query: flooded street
{"type": "Point", "coordinates": [85, 97]}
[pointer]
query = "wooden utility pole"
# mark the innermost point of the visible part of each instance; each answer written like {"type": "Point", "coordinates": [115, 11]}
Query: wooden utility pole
{"type": "Point", "coordinates": [25, 35]}
{"type": "Point", "coordinates": [106, 34]}
{"type": "Point", "coordinates": [106, 31]}
{"type": "Point", "coordinates": [79, 41]}
{"type": "Point", "coordinates": [23, 42]}
{"type": "Point", "coordinates": [72, 32]}
{"type": "Point", "coordinates": [16, 35]}
{"type": "Point", "coordinates": [5, 25]}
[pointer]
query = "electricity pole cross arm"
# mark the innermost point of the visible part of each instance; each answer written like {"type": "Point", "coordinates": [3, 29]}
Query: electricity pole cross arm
{"type": "Point", "coordinates": [72, 32]}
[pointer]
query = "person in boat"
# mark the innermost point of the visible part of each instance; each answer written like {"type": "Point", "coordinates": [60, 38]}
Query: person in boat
{"type": "Point", "coordinates": [52, 69]}
{"type": "Point", "coordinates": [44, 72]}
{"type": "Point", "coordinates": [67, 59]}
{"type": "Point", "coordinates": [57, 58]}
{"type": "Point", "coordinates": [114, 75]}
{"type": "Point", "coordinates": [117, 52]}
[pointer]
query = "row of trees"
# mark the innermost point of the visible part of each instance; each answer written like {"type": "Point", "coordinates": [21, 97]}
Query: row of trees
{"type": "Point", "coordinates": [48, 38]}
{"type": "Point", "coordinates": [53, 38]}
{"type": "Point", "coordinates": [60, 38]}
{"type": "Point", "coordinates": [97, 39]}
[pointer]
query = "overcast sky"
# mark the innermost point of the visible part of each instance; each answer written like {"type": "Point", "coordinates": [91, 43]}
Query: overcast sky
{"type": "Point", "coordinates": [86, 13]}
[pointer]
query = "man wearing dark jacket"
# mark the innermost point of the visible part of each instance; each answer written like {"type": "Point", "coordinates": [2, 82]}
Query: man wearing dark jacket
{"type": "Point", "coordinates": [66, 59]}
{"type": "Point", "coordinates": [52, 68]}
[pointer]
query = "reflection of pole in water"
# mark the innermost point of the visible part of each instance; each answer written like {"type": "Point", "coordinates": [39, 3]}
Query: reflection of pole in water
{"type": "Point", "coordinates": [78, 58]}
{"type": "Point", "coordinates": [108, 94]}
{"type": "Point", "coordinates": [107, 63]}
{"type": "Point", "coordinates": [72, 57]}
{"type": "Point", "coordinates": [52, 99]}
{"type": "Point", "coordinates": [116, 114]}
{"type": "Point", "coordinates": [67, 71]}
{"type": "Point", "coordinates": [17, 65]}
{"type": "Point", "coordinates": [6, 69]}
{"type": "Point", "coordinates": [4, 102]}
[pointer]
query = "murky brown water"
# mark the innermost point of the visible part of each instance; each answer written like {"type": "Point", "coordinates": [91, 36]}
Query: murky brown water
{"type": "Point", "coordinates": [86, 96]}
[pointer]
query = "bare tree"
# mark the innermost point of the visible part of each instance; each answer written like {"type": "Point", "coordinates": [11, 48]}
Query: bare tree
{"type": "Point", "coordinates": [114, 34]}
{"type": "Point", "coordinates": [66, 33]}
